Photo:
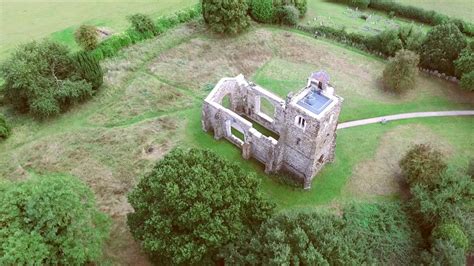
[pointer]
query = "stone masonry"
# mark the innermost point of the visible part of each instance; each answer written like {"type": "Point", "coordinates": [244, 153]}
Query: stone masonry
{"type": "Point", "coordinates": [305, 122]}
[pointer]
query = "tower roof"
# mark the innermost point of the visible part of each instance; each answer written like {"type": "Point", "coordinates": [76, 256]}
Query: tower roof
{"type": "Point", "coordinates": [321, 76]}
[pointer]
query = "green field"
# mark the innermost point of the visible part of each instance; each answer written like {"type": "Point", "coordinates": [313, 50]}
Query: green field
{"type": "Point", "coordinates": [456, 8]}
{"type": "Point", "coordinates": [323, 12]}
{"type": "Point", "coordinates": [25, 20]}
{"type": "Point", "coordinates": [152, 99]}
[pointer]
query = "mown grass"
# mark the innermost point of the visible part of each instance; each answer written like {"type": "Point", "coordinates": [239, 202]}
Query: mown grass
{"type": "Point", "coordinates": [455, 8]}
{"type": "Point", "coordinates": [323, 12]}
{"type": "Point", "coordinates": [25, 20]}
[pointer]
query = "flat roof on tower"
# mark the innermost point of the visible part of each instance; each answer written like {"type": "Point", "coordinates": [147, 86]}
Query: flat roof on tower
{"type": "Point", "coordinates": [314, 102]}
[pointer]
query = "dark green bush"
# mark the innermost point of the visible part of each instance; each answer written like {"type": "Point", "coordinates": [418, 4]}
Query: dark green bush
{"type": "Point", "coordinates": [442, 46]}
{"type": "Point", "coordinates": [360, 3]}
{"type": "Point", "coordinates": [453, 233]}
{"type": "Point", "coordinates": [87, 37]}
{"type": "Point", "coordinates": [422, 165]}
{"type": "Point", "coordinates": [400, 72]}
{"type": "Point", "coordinates": [443, 252]}
{"type": "Point", "coordinates": [5, 129]}
{"type": "Point", "coordinates": [41, 78]}
{"type": "Point", "coordinates": [50, 220]}
{"type": "Point", "coordinates": [143, 24]}
{"type": "Point", "coordinates": [465, 63]}
{"type": "Point", "coordinates": [263, 10]}
{"type": "Point", "coordinates": [367, 234]}
{"type": "Point", "coordinates": [226, 17]}
{"type": "Point", "coordinates": [287, 15]}
{"type": "Point", "coordinates": [467, 81]}
{"type": "Point", "coordinates": [89, 69]}
{"type": "Point", "coordinates": [302, 6]}
{"type": "Point", "coordinates": [192, 204]}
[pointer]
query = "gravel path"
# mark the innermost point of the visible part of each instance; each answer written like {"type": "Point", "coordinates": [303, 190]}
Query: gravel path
{"type": "Point", "coordinates": [387, 118]}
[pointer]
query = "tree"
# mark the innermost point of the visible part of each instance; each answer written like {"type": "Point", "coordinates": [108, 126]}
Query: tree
{"type": "Point", "coordinates": [366, 234]}
{"type": "Point", "coordinates": [5, 129]}
{"type": "Point", "coordinates": [400, 72]}
{"type": "Point", "coordinates": [465, 63]}
{"type": "Point", "coordinates": [441, 47]}
{"type": "Point", "coordinates": [192, 204]}
{"type": "Point", "coordinates": [50, 220]}
{"type": "Point", "coordinates": [143, 24]}
{"type": "Point", "coordinates": [263, 10]}
{"type": "Point", "coordinates": [422, 165]}
{"type": "Point", "coordinates": [89, 69]}
{"type": "Point", "coordinates": [444, 253]}
{"type": "Point", "coordinates": [226, 17]}
{"type": "Point", "coordinates": [87, 37]}
{"type": "Point", "coordinates": [467, 81]}
{"type": "Point", "coordinates": [287, 15]}
{"type": "Point", "coordinates": [453, 233]}
{"type": "Point", "coordinates": [40, 78]}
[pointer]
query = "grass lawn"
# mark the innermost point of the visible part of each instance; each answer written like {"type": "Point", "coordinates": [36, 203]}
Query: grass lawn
{"type": "Point", "coordinates": [151, 103]}
{"type": "Point", "coordinates": [322, 12]}
{"type": "Point", "coordinates": [25, 20]}
{"type": "Point", "coordinates": [455, 8]}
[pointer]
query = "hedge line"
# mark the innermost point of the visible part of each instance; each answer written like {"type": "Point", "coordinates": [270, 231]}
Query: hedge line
{"type": "Point", "coordinates": [112, 45]}
{"type": "Point", "coordinates": [425, 16]}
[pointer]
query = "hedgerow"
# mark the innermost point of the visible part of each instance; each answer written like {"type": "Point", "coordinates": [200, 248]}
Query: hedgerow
{"type": "Point", "coordinates": [111, 46]}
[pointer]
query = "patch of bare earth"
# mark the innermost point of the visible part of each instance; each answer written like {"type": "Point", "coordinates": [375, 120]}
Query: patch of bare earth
{"type": "Point", "coordinates": [206, 60]}
{"type": "Point", "coordinates": [380, 175]}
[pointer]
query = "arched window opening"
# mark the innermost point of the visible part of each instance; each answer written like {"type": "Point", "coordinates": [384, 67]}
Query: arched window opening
{"type": "Point", "coordinates": [300, 122]}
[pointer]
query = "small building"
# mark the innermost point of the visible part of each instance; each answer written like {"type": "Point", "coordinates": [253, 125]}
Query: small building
{"type": "Point", "coordinates": [303, 126]}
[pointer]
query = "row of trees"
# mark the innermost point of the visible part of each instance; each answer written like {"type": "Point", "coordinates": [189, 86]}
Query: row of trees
{"type": "Point", "coordinates": [444, 49]}
{"type": "Point", "coordinates": [441, 203]}
{"type": "Point", "coordinates": [196, 207]}
{"type": "Point", "coordinates": [233, 16]}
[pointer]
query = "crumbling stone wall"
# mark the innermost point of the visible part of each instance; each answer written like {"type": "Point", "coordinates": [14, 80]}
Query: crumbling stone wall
{"type": "Point", "coordinates": [299, 151]}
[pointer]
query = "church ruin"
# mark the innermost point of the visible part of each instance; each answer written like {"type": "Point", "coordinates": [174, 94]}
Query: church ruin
{"type": "Point", "coordinates": [305, 124]}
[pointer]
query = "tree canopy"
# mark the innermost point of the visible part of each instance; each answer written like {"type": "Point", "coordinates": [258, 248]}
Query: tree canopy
{"type": "Point", "coordinates": [226, 17]}
{"type": "Point", "coordinates": [50, 220]}
{"type": "Point", "coordinates": [192, 204]}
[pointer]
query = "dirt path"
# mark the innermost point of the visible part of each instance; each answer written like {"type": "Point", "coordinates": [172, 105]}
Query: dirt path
{"type": "Point", "coordinates": [382, 119]}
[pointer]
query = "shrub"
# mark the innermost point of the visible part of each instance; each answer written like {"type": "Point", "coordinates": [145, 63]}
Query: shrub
{"type": "Point", "coordinates": [422, 165]}
{"type": "Point", "coordinates": [192, 204]}
{"type": "Point", "coordinates": [40, 78]}
{"type": "Point", "coordinates": [400, 72]}
{"type": "Point", "coordinates": [411, 37]}
{"type": "Point", "coordinates": [263, 10]}
{"type": "Point", "coordinates": [447, 199]}
{"type": "Point", "coordinates": [453, 233]}
{"type": "Point", "coordinates": [226, 17]}
{"type": "Point", "coordinates": [302, 6]}
{"type": "Point", "coordinates": [287, 15]}
{"type": "Point", "coordinates": [360, 3]}
{"type": "Point", "coordinates": [50, 220]}
{"type": "Point", "coordinates": [143, 24]}
{"type": "Point", "coordinates": [5, 129]}
{"type": "Point", "coordinates": [442, 46]}
{"type": "Point", "coordinates": [467, 81]}
{"type": "Point", "coordinates": [366, 234]}
{"type": "Point", "coordinates": [89, 69]}
{"type": "Point", "coordinates": [87, 37]}
{"type": "Point", "coordinates": [443, 252]}
{"type": "Point", "coordinates": [465, 63]}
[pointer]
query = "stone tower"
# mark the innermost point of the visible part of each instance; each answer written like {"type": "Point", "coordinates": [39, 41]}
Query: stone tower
{"type": "Point", "coordinates": [305, 123]}
{"type": "Point", "coordinates": [311, 120]}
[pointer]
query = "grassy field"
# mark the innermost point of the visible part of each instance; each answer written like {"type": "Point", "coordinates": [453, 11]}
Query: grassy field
{"type": "Point", "coordinates": [455, 8]}
{"type": "Point", "coordinates": [151, 102]}
{"type": "Point", "coordinates": [322, 12]}
{"type": "Point", "coordinates": [25, 20]}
